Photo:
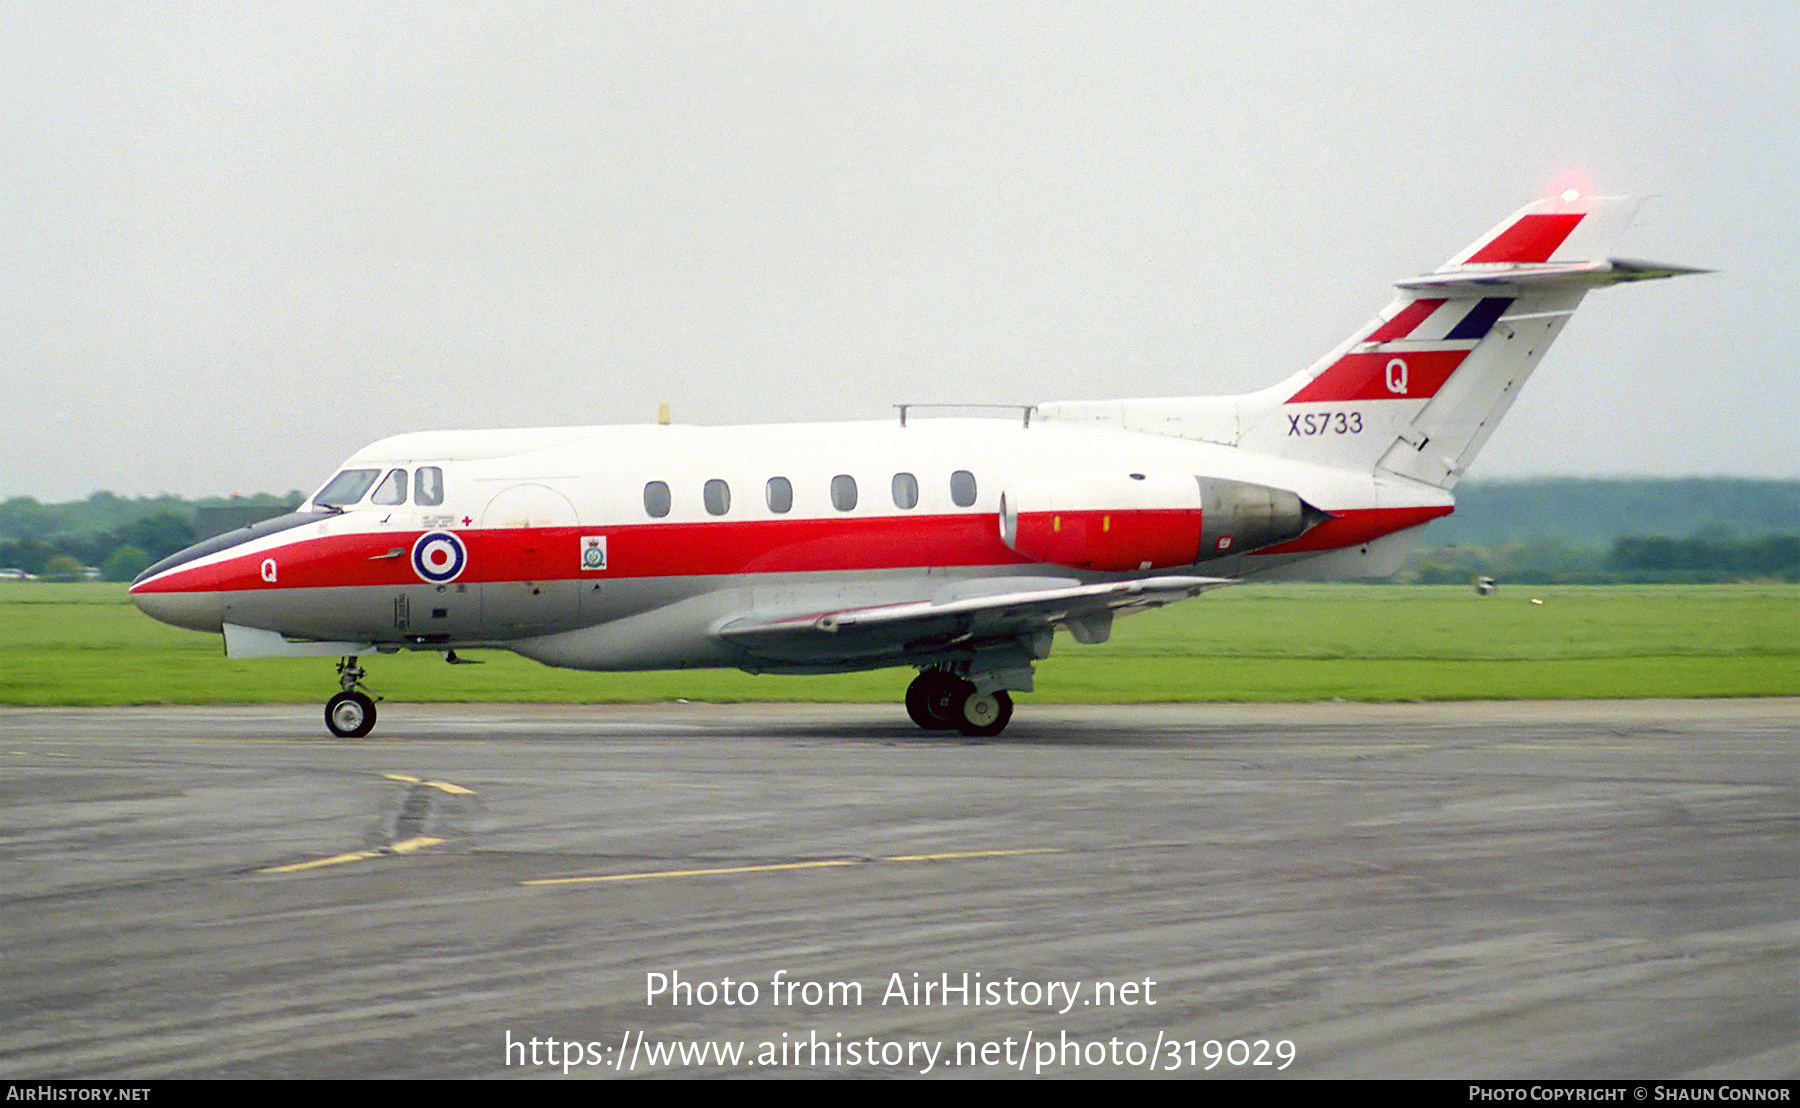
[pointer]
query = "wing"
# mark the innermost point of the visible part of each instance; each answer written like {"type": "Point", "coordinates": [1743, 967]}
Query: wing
{"type": "Point", "coordinates": [969, 614]}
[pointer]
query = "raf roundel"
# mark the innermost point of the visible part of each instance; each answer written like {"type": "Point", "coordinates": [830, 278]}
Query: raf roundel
{"type": "Point", "coordinates": [439, 556]}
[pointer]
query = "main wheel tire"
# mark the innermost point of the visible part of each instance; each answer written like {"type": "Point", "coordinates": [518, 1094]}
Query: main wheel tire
{"type": "Point", "coordinates": [916, 705]}
{"type": "Point", "coordinates": [932, 698]}
{"type": "Point", "coordinates": [984, 715]}
{"type": "Point", "coordinates": [350, 715]}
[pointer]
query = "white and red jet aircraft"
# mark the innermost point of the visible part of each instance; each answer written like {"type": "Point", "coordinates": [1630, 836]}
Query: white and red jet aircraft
{"type": "Point", "coordinates": [955, 546]}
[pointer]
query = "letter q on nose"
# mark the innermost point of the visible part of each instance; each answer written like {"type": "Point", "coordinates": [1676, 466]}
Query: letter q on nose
{"type": "Point", "coordinates": [268, 570]}
{"type": "Point", "coordinates": [1396, 377]}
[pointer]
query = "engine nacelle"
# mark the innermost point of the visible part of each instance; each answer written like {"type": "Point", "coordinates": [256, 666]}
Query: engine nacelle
{"type": "Point", "coordinates": [1129, 522]}
{"type": "Point", "coordinates": [1135, 522]}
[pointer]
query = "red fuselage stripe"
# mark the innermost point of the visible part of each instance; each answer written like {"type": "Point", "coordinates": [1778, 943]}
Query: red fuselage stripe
{"type": "Point", "coordinates": [718, 548]}
{"type": "Point", "coordinates": [638, 550]}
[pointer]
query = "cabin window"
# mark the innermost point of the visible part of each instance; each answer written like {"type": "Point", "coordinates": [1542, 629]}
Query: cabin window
{"type": "Point", "coordinates": [656, 499]}
{"type": "Point", "coordinates": [906, 491]}
{"type": "Point", "coordinates": [428, 486]}
{"type": "Point", "coordinates": [843, 492]}
{"type": "Point", "coordinates": [717, 497]}
{"type": "Point", "coordinates": [780, 494]}
{"type": "Point", "coordinates": [962, 488]}
{"type": "Point", "coordinates": [346, 488]}
{"type": "Point", "coordinates": [392, 489]}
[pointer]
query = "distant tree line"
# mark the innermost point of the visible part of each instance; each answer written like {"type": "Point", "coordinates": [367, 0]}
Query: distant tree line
{"type": "Point", "coordinates": [1594, 512]}
{"type": "Point", "coordinates": [1592, 531]}
{"type": "Point", "coordinates": [1629, 560]}
{"type": "Point", "coordinates": [1773, 556]}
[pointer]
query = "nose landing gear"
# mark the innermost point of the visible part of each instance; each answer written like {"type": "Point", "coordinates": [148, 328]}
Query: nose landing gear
{"type": "Point", "coordinates": [351, 713]}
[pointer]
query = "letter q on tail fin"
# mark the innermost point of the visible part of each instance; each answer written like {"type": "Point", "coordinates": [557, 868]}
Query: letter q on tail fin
{"type": "Point", "coordinates": [1417, 392]}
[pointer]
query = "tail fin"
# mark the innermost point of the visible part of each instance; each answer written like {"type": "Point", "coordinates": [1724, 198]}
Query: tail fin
{"type": "Point", "coordinates": [1418, 391]}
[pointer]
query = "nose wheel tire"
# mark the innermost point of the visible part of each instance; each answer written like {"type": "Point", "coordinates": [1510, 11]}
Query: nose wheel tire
{"type": "Point", "coordinates": [350, 715]}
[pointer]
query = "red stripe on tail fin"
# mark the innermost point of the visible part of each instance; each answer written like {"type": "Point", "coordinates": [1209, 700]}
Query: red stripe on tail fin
{"type": "Point", "coordinates": [1415, 375]}
{"type": "Point", "coordinates": [1403, 324]}
{"type": "Point", "coordinates": [1532, 239]}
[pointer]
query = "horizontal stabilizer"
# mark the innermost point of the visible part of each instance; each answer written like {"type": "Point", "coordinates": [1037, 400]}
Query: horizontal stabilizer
{"type": "Point", "coordinates": [1517, 280]}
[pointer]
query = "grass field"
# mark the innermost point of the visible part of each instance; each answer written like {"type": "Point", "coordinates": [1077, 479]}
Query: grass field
{"type": "Point", "coordinates": [85, 644]}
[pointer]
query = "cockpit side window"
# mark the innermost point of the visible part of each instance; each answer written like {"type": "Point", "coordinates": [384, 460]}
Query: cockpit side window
{"type": "Point", "coordinates": [428, 486]}
{"type": "Point", "coordinates": [346, 488]}
{"type": "Point", "coordinates": [392, 489]}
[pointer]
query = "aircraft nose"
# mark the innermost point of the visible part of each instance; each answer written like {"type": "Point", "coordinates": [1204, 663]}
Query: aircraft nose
{"type": "Point", "coordinates": [197, 611]}
{"type": "Point", "coordinates": [182, 590]}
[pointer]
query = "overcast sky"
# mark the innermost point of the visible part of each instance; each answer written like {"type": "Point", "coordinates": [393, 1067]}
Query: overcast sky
{"type": "Point", "coordinates": [239, 241]}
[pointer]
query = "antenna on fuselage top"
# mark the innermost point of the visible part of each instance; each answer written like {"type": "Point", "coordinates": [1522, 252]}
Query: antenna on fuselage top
{"type": "Point", "coordinates": [662, 415]}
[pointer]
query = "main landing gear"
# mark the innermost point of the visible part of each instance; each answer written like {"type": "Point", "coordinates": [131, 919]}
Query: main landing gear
{"type": "Point", "coordinates": [939, 700]}
{"type": "Point", "coordinates": [351, 713]}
